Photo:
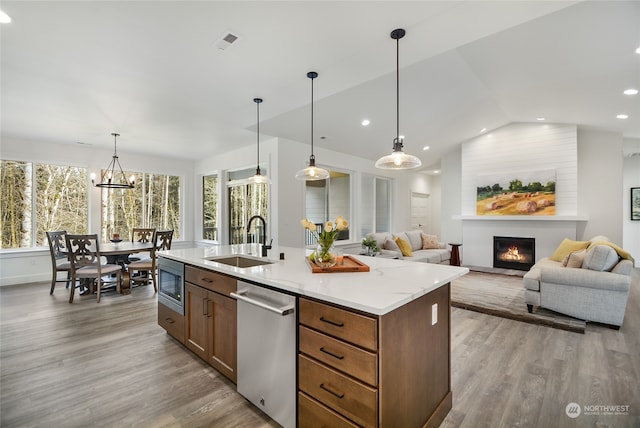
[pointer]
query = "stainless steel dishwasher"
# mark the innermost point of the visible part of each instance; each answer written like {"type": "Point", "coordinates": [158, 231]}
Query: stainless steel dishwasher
{"type": "Point", "coordinates": [267, 351]}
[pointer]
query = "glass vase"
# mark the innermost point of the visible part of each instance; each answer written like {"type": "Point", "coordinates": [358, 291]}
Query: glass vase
{"type": "Point", "coordinates": [325, 254]}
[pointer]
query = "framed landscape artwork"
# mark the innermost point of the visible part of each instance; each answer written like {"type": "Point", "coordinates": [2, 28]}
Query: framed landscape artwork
{"type": "Point", "coordinates": [635, 203]}
{"type": "Point", "coordinates": [517, 193]}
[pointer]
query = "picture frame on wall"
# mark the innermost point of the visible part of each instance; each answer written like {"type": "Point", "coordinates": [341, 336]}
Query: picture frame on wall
{"type": "Point", "coordinates": [635, 203]}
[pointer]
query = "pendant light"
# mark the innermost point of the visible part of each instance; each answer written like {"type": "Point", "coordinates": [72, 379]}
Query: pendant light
{"type": "Point", "coordinates": [258, 178]}
{"type": "Point", "coordinates": [312, 172]}
{"type": "Point", "coordinates": [398, 159]}
{"type": "Point", "coordinates": [113, 178]}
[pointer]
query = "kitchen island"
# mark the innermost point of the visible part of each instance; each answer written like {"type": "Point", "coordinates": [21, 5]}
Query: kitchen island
{"type": "Point", "coordinates": [373, 348]}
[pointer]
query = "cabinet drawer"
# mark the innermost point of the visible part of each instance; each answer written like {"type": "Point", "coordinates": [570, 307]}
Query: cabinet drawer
{"type": "Point", "coordinates": [352, 360]}
{"type": "Point", "coordinates": [348, 397]}
{"type": "Point", "coordinates": [171, 321]}
{"type": "Point", "coordinates": [210, 280]}
{"type": "Point", "coordinates": [355, 328]}
{"type": "Point", "coordinates": [312, 414]}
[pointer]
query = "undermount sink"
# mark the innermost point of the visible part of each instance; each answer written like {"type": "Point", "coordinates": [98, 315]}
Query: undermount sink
{"type": "Point", "coordinates": [239, 261]}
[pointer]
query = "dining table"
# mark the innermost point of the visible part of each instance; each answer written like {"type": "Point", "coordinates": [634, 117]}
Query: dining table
{"type": "Point", "coordinates": [119, 252]}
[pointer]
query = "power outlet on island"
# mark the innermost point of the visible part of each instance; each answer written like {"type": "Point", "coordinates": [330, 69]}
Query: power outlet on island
{"type": "Point", "coordinates": [434, 314]}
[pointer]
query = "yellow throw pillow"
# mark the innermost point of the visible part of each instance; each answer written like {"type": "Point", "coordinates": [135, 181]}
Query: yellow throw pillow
{"type": "Point", "coordinates": [568, 246]}
{"type": "Point", "coordinates": [404, 246]}
{"type": "Point", "coordinates": [429, 242]}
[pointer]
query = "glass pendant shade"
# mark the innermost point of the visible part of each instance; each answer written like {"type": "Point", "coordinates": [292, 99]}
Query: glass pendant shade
{"type": "Point", "coordinates": [398, 159]}
{"type": "Point", "coordinates": [114, 177]}
{"type": "Point", "coordinates": [312, 172]}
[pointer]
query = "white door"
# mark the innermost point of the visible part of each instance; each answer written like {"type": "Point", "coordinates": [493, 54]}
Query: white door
{"type": "Point", "coordinates": [420, 209]}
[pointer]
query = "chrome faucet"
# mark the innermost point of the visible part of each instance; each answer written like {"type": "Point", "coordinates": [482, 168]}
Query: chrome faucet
{"type": "Point", "coordinates": [265, 247]}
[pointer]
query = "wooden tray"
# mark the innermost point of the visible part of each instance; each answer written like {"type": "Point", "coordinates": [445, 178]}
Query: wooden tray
{"type": "Point", "coordinates": [349, 264]}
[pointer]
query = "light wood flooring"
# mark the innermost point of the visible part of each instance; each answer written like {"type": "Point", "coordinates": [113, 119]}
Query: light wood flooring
{"type": "Point", "coordinates": [110, 365]}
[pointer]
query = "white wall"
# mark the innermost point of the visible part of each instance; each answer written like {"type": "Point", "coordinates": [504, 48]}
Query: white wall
{"type": "Point", "coordinates": [600, 181]}
{"type": "Point", "coordinates": [20, 266]}
{"type": "Point", "coordinates": [631, 178]}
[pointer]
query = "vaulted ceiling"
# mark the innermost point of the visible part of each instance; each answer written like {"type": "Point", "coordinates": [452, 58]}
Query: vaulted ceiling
{"type": "Point", "coordinates": [77, 71]}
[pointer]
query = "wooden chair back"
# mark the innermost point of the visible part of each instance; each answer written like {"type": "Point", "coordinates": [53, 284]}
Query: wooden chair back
{"type": "Point", "coordinates": [83, 250]}
{"type": "Point", "coordinates": [141, 234]}
{"type": "Point", "coordinates": [162, 240]}
{"type": "Point", "coordinates": [57, 245]}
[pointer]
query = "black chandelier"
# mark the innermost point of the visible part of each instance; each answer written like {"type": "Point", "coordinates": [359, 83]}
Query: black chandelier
{"type": "Point", "coordinates": [113, 177]}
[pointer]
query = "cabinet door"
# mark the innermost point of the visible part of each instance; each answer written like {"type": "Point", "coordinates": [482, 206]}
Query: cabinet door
{"type": "Point", "coordinates": [223, 339]}
{"type": "Point", "coordinates": [196, 309]}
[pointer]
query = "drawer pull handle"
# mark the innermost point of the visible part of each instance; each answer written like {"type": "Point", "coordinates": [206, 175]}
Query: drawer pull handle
{"type": "Point", "coordinates": [330, 391]}
{"type": "Point", "coordinates": [340, 357]}
{"type": "Point", "coordinates": [170, 320]}
{"type": "Point", "coordinates": [336, 323]}
{"type": "Point", "coordinates": [209, 280]}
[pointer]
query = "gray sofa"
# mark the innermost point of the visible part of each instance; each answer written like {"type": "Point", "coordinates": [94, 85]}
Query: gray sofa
{"type": "Point", "coordinates": [596, 291]}
{"type": "Point", "coordinates": [440, 255]}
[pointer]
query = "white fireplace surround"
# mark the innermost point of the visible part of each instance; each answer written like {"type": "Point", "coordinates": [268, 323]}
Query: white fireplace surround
{"type": "Point", "coordinates": [514, 148]}
{"type": "Point", "coordinates": [478, 233]}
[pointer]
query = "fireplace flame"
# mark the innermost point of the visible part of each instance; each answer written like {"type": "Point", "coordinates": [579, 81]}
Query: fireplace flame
{"type": "Point", "coordinates": [512, 254]}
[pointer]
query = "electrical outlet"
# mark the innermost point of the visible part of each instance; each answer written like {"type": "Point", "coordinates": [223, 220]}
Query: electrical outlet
{"type": "Point", "coordinates": [434, 314]}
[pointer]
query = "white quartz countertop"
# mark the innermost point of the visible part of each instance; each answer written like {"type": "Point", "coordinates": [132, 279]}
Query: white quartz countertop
{"type": "Point", "coordinates": [388, 285]}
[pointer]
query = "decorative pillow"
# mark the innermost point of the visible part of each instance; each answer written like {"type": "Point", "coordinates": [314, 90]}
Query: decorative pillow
{"type": "Point", "coordinates": [574, 259]}
{"type": "Point", "coordinates": [600, 258]}
{"type": "Point", "coordinates": [568, 246]}
{"type": "Point", "coordinates": [598, 238]}
{"type": "Point", "coordinates": [405, 247]}
{"type": "Point", "coordinates": [429, 242]}
{"type": "Point", "coordinates": [415, 239]}
{"type": "Point", "coordinates": [390, 244]}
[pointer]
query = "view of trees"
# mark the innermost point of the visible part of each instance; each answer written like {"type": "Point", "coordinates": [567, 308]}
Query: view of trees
{"type": "Point", "coordinates": [37, 198]}
{"type": "Point", "coordinates": [210, 207]}
{"type": "Point", "coordinates": [154, 203]}
{"type": "Point", "coordinates": [60, 203]}
{"type": "Point", "coordinates": [245, 201]}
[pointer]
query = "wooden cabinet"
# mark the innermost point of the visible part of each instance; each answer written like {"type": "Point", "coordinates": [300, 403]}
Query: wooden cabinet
{"type": "Point", "coordinates": [358, 369]}
{"type": "Point", "coordinates": [172, 322]}
{"type": "Point", "coordinates": [210, 329]}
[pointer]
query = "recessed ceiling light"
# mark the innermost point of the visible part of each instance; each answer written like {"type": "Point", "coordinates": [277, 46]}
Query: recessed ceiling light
{"type": "Point", "coordinates": [4, 18]}
{"type": "Point", "coordinates": [426, 148]}
{"type": "Point", "coordinates": [365, 122]}
{"type": "Point", "coordinates": [437, 171]}
{"type": "Point", "coordinates": [540, 119]}
{"type": "Point", "coordinates": [630, 91]}
{"type": "Point", "coordinates": [622, 116]}
{"type": "Point", "coordinates": [638, 51]}
{"type": "Point", "coordinates": [483, 130]}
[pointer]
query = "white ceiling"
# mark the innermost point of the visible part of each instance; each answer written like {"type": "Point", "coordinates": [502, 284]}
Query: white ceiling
{"type": "Point", "coordinates": [77, 71]}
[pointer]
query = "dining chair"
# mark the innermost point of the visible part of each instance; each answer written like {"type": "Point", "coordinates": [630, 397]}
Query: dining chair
{"type": "Point", "coordinates": [59, 259]}
{"type": "Point", "coordinates": [141, 234]}
{"type": "Point", "coordinates": [161, 241]}
{"type": "Point", "coordinates": [84, 255]}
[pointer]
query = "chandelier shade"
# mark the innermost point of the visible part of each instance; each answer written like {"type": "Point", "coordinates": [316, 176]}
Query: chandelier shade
{"type": "Point", "coordinates": [312, 172]}
{"type": "Point", "coordinates": [113, 177]}
{"type": "Point", "coordinates": [398, 159]}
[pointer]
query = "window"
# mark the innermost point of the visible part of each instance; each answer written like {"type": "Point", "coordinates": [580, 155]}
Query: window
{"type": "Point", "coordinates": [245, 201]}
{"type": "Point", "coordinates": [57, 201]}
{"type": "Point", "coordinates": [375, 215]}
{"type": "Point", "coordinates": [155, 202]}
{"type": "Point", "coordinates": [210, 207]}
{"type": "Point", "coordinates": [327, 199]}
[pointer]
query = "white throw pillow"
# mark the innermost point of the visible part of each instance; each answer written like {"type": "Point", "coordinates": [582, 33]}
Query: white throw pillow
{"type": "Point", "coordinates": [600, 258]}
{"type": "Point", "coordinates": [415, 239]}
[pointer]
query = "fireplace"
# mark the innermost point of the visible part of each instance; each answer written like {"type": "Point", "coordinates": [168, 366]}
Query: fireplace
{"type": "Point", "coordinates": [514, 252]}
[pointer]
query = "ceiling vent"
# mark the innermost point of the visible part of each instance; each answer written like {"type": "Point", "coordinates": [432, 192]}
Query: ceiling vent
{"type": "Point", "coordinates": [226, 40]}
